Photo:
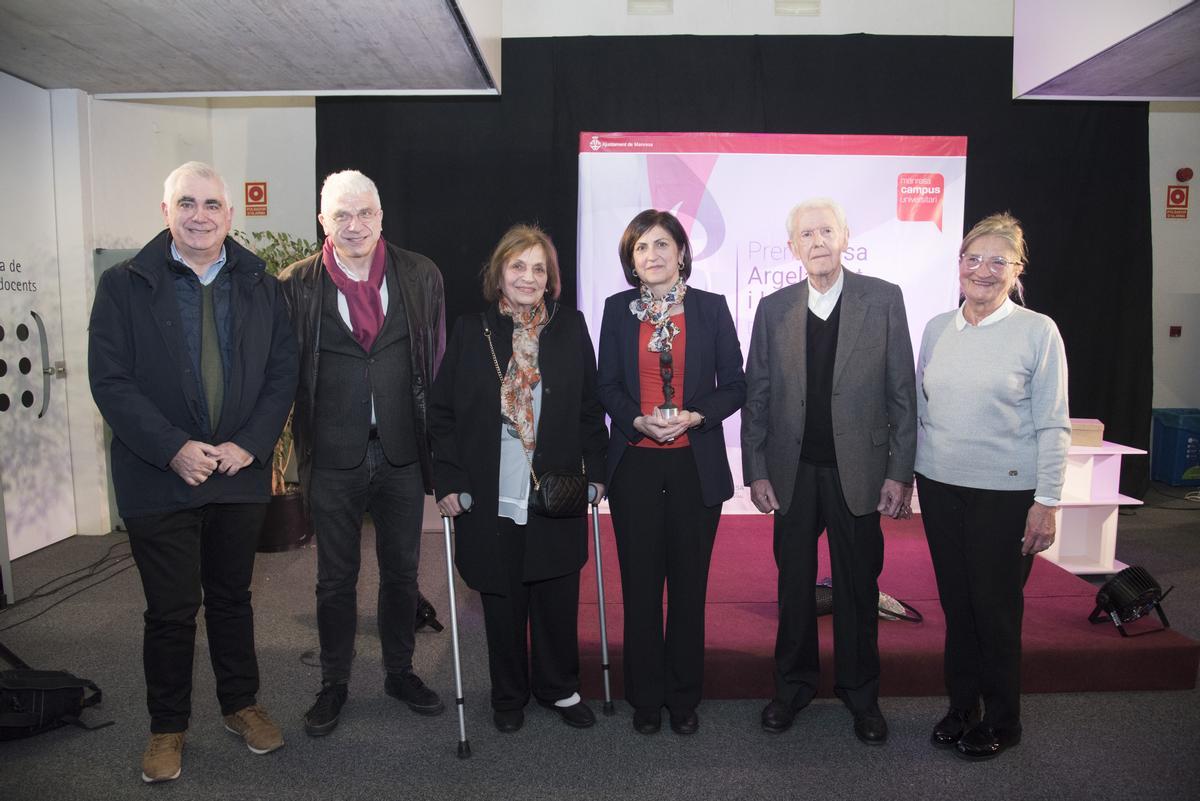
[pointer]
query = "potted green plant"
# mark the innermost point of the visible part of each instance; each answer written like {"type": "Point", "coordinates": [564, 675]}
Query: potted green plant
{"type": "Point", "coordinates": [286, 525]}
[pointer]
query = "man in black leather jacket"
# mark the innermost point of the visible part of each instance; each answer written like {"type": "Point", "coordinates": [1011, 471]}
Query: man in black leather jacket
{"type": "Point", "coordinates": [369, 318]}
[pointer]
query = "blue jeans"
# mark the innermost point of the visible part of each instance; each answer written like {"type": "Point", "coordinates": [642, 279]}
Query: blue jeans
{"type": "Point", "coordinates": [395, 497]}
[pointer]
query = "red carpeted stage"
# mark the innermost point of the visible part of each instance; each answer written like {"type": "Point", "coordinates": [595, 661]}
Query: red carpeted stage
{"type": "Point", "coordinates": [1063, 652]}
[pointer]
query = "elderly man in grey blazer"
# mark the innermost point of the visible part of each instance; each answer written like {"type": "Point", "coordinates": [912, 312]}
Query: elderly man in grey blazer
{"type": "Point", "coordinates": [828, 441]}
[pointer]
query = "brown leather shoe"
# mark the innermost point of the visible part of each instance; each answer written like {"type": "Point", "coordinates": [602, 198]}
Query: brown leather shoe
{"type": "Point", "coordinates": [253, 725]}
{"type": "Point", "coordinates": [162, 760]}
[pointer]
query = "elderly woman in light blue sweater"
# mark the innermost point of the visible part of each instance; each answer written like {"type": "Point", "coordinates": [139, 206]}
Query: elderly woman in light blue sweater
{"type": "Point", "coordinates": [991, 450]}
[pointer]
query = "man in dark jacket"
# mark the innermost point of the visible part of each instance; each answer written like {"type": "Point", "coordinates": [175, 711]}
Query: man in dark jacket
{"type": "Point", "coordinates": [370, 316]}
{"type": "Point", "coordinates": [193, 365]}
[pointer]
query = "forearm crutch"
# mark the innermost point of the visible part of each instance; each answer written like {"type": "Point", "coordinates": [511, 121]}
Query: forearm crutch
{"type": "Point", "coordinates": [464, 746]}
{"type": "Point", "coordinates": [594, 497]}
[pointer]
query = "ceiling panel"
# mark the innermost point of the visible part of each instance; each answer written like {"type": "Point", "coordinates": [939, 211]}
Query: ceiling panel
{"type": "Point", "coordinates": [1160, 62]}
{"type": "Point", "coordinates": [121, 47]}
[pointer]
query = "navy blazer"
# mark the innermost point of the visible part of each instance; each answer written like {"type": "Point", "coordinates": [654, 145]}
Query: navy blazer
{"type": "Point", "coordinates": [713, 382]}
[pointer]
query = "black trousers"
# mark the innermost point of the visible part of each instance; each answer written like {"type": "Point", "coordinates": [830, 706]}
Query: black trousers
{"type": "Point", "coordinates": [975, 542]}
{"type": "Point", "coordinates": [856, 557]}
{"type": "Point", "coordinates": [664, 534]}
{"type": "Point", "coordinates": [395, 497]}
{"type": "Point", "coordinates": [542, 614]}
{"type": "Point", "coordinates": [186, 558]}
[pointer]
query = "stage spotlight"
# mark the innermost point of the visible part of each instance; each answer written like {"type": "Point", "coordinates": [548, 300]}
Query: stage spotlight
{"type": "Point", "coordinates": [1127, 596]}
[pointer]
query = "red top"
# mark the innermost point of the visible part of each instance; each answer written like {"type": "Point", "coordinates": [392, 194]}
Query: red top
{"type": "Point", "coordinates": [650, 378]}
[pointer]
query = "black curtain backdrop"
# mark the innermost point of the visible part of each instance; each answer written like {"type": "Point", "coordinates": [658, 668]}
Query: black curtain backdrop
{"type": "Point", "coordinates": [454, 173]}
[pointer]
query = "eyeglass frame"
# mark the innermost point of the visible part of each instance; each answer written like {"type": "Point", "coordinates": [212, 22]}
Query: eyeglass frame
{"type": "Point", "coordinates": [364, 216]}
{"type": "Point", "coordinates": [996, 264]}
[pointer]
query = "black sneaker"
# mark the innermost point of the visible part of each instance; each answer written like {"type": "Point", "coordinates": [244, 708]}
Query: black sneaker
{"type": "Point", "coordinates": [409, 688]}
{"type": "Point", "coordinates": [322, 717]}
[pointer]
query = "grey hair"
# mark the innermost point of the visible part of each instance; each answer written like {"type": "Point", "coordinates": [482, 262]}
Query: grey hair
{"type": "Point", "coordinates": [816, 203]}
{"type": "Point", "coordinates": [347, 182]}
{"type": "Point", "coordinates": [1007, 227]}
{"type": "Point", "coordinates": [195, 169]}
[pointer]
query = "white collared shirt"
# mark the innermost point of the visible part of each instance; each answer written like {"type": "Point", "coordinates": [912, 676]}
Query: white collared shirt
{"type": "Point", "coordinates": [210, 273]}
{"type": "Point", "coordinates": [823, 305]}
{"type": "Point", "coordinates": [1005, 309]}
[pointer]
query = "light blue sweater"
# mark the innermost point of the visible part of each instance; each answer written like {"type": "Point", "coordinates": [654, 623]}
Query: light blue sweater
{"type": "Point", "coordinates": [992, 404]}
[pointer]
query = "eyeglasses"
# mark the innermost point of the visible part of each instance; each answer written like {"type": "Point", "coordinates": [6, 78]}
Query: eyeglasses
{"type": "Point", "coordinates": [363, 216]}
{"type": "Point", "coordinates": [995, 264]}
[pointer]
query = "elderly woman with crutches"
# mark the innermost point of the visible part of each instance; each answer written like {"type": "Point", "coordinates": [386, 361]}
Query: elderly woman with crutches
{"type": "Point", "coordinates": [514, 418]}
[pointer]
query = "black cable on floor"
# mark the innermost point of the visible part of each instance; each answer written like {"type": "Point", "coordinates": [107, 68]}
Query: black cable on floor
{"type": "Point", "coordinates": [92, 569]}
{"type": "Point", "coordinates": [64, 598]}
{"type": "Point", "coordinates": [104, 563]}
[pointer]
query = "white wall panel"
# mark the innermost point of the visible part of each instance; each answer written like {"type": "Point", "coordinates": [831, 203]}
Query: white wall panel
{"type": "Point", "coordinates": [35, 458]}
{"type": "Point", "coordinates": [1175, 143]}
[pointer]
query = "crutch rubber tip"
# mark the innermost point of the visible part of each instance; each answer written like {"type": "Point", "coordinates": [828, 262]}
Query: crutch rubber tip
{"type": "Point", "coordinates": [464, 749]}
{"type": "Point", "coordinates": [609, 709]}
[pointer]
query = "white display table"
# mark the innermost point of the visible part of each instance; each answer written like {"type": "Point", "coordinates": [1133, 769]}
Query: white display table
{"type": "Point", "coordinates": [1087, 516]}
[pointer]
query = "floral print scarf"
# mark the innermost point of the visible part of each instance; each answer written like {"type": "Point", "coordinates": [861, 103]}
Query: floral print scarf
{"type": "Point", "coordinates": [658, 312]}
{"type": "Point", "coordinates": [516, 390]}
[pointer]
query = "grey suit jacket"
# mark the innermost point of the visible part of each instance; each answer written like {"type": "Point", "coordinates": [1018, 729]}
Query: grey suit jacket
{"type": "Point", "coordinates": [874, 402]}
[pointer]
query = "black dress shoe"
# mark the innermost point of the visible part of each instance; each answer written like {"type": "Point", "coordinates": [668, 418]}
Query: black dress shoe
{"type": "Point", "coordinates": [870, 727]}
{"type": "Point", "coordinates": [951, 728]}
{"type": "Point", "coordinates": [685, 724]}
{"type": "Point", "coordinates": [508, 720]}
{"type": "Point", "coordinates": [579, 714]}
{"type": "Point", "coordinates": [777, 717]}
{"type": "Point", "coordinates": [647, 721]}
{"type": "Point", "coordinates": [985, 742]}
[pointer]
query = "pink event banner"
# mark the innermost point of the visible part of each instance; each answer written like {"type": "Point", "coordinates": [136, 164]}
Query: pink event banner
{"type": "Point", "coordinates": [812, 144]}
{"type": "Point", "coordinates": [903, 197]}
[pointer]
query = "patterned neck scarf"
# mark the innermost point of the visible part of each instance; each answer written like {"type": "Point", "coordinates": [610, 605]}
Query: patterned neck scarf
{"type": "Point", "coordinates": [658, 312]}
{"type": "Point", "coordinates": [516, 390]}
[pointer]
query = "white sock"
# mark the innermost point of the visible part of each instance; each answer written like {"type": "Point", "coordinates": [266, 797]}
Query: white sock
{"type": "Point", "coordinates": [571, 700]}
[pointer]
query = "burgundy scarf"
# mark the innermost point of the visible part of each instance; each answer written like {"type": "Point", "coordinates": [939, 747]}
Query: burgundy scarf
{"type": "Point", "coordinates": [366, 307]}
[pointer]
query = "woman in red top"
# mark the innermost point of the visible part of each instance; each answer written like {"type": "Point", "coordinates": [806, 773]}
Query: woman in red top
{"type": "Point", "coordinates": [665, 344]}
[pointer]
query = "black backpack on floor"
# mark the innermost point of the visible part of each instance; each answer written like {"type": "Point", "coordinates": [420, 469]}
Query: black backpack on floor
{"type": "Point", "coordinates": [34, 701]}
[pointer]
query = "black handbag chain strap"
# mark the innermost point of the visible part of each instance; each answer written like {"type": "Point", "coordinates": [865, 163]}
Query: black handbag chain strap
{"type": "Point", "coordinates": [487, 333]}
